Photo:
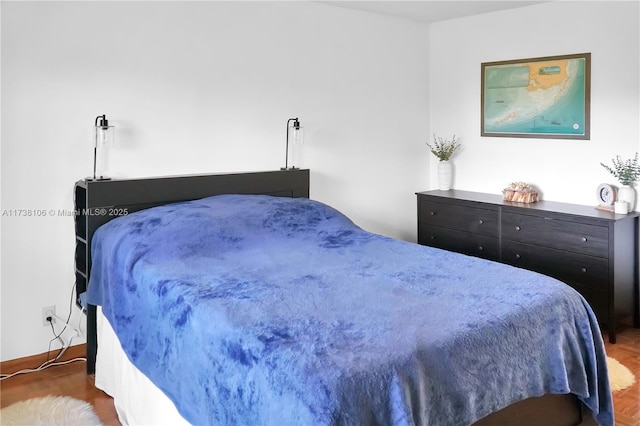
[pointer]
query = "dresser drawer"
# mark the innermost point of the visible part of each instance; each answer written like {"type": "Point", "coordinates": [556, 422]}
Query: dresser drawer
{"type": "Point", "coordinates": [461, 242]}
{"type": "Point", "coordinates": [559, 234]}
{"type": "Point", "coordinates": [571, 268]}
{"type": "Point", "coordinates": [463, 218]}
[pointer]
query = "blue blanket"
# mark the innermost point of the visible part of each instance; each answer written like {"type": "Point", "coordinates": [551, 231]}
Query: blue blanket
{"type": "Point", "coordinates": [258, 310]}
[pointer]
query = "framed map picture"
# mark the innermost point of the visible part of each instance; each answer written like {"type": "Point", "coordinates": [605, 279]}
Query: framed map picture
{"type": "Point", "coordinates": [546, 97]}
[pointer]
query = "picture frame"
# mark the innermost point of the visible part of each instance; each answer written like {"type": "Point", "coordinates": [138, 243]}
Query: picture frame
{"type": "Point", "coordinates": [545, 97]}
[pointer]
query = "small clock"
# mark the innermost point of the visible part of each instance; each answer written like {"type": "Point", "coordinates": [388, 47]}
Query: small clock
{"type": "Point", "coordinates": [606, 195]}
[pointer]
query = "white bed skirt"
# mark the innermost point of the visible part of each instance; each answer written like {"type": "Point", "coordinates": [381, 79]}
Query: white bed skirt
{"type": "Point", "coordinates": [137, 400]}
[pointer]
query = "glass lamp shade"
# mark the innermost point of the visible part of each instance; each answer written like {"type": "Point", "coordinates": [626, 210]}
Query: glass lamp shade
{"type": "Point", "coordinates": [296, 140]}
{"type": "Point", "coordinates": [104, 136]}
{"type": "Point", "coordinates": [103, 140]}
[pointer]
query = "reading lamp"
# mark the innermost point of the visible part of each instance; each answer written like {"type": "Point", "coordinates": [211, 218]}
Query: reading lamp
{"type": "Point", "coordinates": [293, 126]}
{"type": "Point", "coordinates": [104, 136]}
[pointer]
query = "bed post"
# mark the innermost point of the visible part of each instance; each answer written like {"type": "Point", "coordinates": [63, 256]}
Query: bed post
{"type": "Point", "coordinates": [92, 341]}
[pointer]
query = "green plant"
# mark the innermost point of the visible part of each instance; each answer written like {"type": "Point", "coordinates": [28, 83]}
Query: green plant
{"type": "Point", "coordinates": [626, 171]}
{"type": "Point", "coordinates": [442, 148]}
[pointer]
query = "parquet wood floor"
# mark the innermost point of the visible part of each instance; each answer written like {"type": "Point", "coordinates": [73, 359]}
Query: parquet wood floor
{"type": "Point", "coordinates": [68, 380]}
{"type": "Point", "coordinates": [71, 380]}
{"type": "Point", "coordinates": [626, 403]}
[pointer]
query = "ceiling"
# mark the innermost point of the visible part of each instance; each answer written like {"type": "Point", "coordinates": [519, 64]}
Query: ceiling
{"type": "Point", "coordinates": [430, 11]}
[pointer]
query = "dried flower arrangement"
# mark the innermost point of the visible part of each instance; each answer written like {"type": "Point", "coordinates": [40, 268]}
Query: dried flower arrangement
{"type": "Point", "coordinates": [442, 148]}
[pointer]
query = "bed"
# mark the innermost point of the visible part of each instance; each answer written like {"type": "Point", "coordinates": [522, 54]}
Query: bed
{"type": "Point", "coordinates": [246, 308]}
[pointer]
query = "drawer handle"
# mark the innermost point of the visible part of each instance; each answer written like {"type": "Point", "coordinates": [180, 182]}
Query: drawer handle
{"type": "Point", "coordinates": [517, 256]}
{"type": "Point", "coordinates": [584, 239]}
{"type": "Point", "coordinates": [517, 228]}
{"type": "Point", "coordinates": [481, 221]}
{"type": "Point", "coordinates": [480, 248]}
{"type": "Point", "coordinates": [432, 213]}
{"type": "Point", "coordinates": [431, 237]}
{"type": "Point", "coordinates": [584, 270]}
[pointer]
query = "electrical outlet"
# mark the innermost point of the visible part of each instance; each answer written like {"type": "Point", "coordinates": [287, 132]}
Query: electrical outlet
{"type": "Point", "coordinates": [48, 311]}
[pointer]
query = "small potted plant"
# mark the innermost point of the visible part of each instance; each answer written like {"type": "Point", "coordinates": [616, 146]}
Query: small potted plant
{"type": "Point", "coordinates": [627, 172]}
{"type": "Point", "coordinates": [444, 149]}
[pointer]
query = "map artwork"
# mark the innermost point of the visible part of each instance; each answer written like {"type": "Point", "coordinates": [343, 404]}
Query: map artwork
{"type": "Point", "coordinates": [537, 98]}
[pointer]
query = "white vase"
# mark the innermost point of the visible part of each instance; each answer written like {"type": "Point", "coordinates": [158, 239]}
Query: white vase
{"type": "Point", "coordinates": [628, 194]}
{"type": "Point", "coordinates": [444, 175]}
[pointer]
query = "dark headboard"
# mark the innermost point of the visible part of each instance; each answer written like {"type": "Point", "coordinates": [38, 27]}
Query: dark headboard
{"type": "Point", "coordinates": [96, 202]}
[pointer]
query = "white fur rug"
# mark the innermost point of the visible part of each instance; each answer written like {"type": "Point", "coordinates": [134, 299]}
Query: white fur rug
{"type": "Point", "coordinates": [50, 410]}
{"type": "Point", "coordinates": [620, 377]}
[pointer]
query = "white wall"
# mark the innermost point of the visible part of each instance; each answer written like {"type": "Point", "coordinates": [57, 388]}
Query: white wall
{"type": "Point", "coordinates": [564, 170]}
{"type": "Point", "coordinates": [198, 87]}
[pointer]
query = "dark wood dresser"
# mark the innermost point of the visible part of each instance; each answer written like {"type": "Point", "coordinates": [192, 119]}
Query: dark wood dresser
{"type": "Point", "coordinates": [594, 251]}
